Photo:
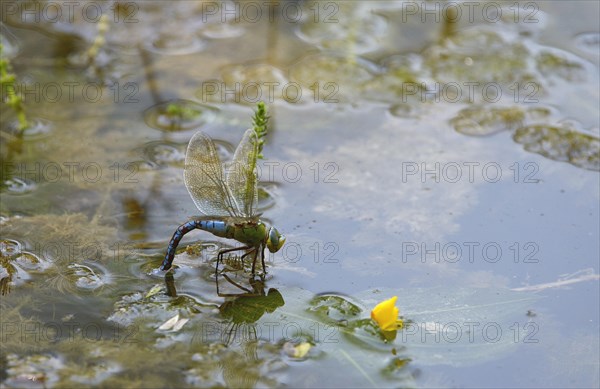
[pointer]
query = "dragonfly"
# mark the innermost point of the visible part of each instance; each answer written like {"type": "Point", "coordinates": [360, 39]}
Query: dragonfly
{"type": "Point", "coordinates": [227, 197]}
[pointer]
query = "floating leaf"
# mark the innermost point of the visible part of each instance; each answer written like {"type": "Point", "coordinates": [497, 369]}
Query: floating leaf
{"type": "Point", "coordinates": [561, 144]}
{"type": "Point", "coordinates": [482, 120]}
{"type": "Point", "coordinates": [555, 65]}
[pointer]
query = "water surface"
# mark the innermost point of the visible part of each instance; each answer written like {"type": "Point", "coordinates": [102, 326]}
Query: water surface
{"type": "Point", "coordinates": [453, 164]}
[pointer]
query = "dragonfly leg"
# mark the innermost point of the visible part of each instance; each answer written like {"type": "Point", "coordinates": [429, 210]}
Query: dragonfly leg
{"type": "Point", "coordinates": [262, 259]}
{"type": "Point", "coordinates": [235, 284]}
{"type": "Point", "coordinates": [247, 253]}
{"type": "Point", "coordinates": [220, 255]}
{"type": "Point", "coordinates": [254, 260]}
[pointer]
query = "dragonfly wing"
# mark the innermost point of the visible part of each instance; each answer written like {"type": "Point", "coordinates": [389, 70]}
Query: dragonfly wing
{"type": "Point", "coordinates": [203, 176]}
{"type": "Point", "coordinates": [242, 178]}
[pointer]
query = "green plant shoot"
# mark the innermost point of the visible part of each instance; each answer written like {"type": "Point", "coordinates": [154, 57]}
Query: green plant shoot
{"type": "Point", "coordinates": [100, 40]}
{"type": "Point", "coordinates": [13, 99]}
{"type": "Point", "coordinates": [259, 123]}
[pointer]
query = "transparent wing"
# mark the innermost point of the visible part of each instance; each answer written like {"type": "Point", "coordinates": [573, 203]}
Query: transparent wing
{"type": "Point", "coordinates": [203, 176]}
{"type": "Point", "coordinates": [242, 177]}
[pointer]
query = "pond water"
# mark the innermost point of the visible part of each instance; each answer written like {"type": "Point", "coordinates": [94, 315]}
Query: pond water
{"type": "Point", "coordinates": [443, 152]}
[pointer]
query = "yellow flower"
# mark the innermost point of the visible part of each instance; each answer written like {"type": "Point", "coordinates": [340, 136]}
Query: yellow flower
{"type": "Point", "coordinates": [298, 351]}
{"type": "Point", "coordinates": [386, 315]}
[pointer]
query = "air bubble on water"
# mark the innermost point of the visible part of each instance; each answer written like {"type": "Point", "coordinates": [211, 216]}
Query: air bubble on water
{"type": "Point", "coordinates": [588, 42]}
{"type": "Point", "coordinates": [175, 44]}
{"type": "Point", "coordinates": [18, 186]}
{"type": "Point", "coordinates": [160, 153]}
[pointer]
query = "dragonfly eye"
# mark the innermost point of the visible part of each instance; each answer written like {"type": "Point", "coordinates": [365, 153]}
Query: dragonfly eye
{"type": "Point", "coordinates": [275, 240]}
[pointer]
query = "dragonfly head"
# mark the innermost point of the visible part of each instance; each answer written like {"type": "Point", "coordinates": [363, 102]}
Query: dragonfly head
{"type": "Point", "coordinates": [275, 240]}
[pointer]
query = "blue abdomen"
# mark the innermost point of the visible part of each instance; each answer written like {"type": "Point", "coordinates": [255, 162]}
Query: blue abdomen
{"type": "Point", "coordinates": [216, 227]}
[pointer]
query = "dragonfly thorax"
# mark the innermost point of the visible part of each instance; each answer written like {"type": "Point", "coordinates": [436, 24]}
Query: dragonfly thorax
{"type": "Point", "coordinates": [255, 234]}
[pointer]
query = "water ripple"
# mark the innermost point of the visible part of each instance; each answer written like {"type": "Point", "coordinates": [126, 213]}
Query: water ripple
{"type": "Point", "coordinates": [179, 115]}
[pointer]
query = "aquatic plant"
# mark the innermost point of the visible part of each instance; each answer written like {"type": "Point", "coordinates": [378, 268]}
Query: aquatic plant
{"type": "Point", "coordinates": [12, 98]}
{"type": "Point", "coordinates": [386, 315]}
{"type": "Point", "coordinates": [259, 124]}
{"type": "Point", "coordinates": [99, 42]}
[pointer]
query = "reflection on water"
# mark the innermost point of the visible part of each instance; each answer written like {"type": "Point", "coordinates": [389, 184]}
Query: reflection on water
{"type": "Point", "coordinates": [373, 103]}
{"type": "Point", "coordinates": [247, 307]}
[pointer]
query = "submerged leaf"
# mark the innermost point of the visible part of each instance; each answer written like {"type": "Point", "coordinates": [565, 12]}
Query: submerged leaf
{"type": "Point", "coordinates": [155, 290]}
